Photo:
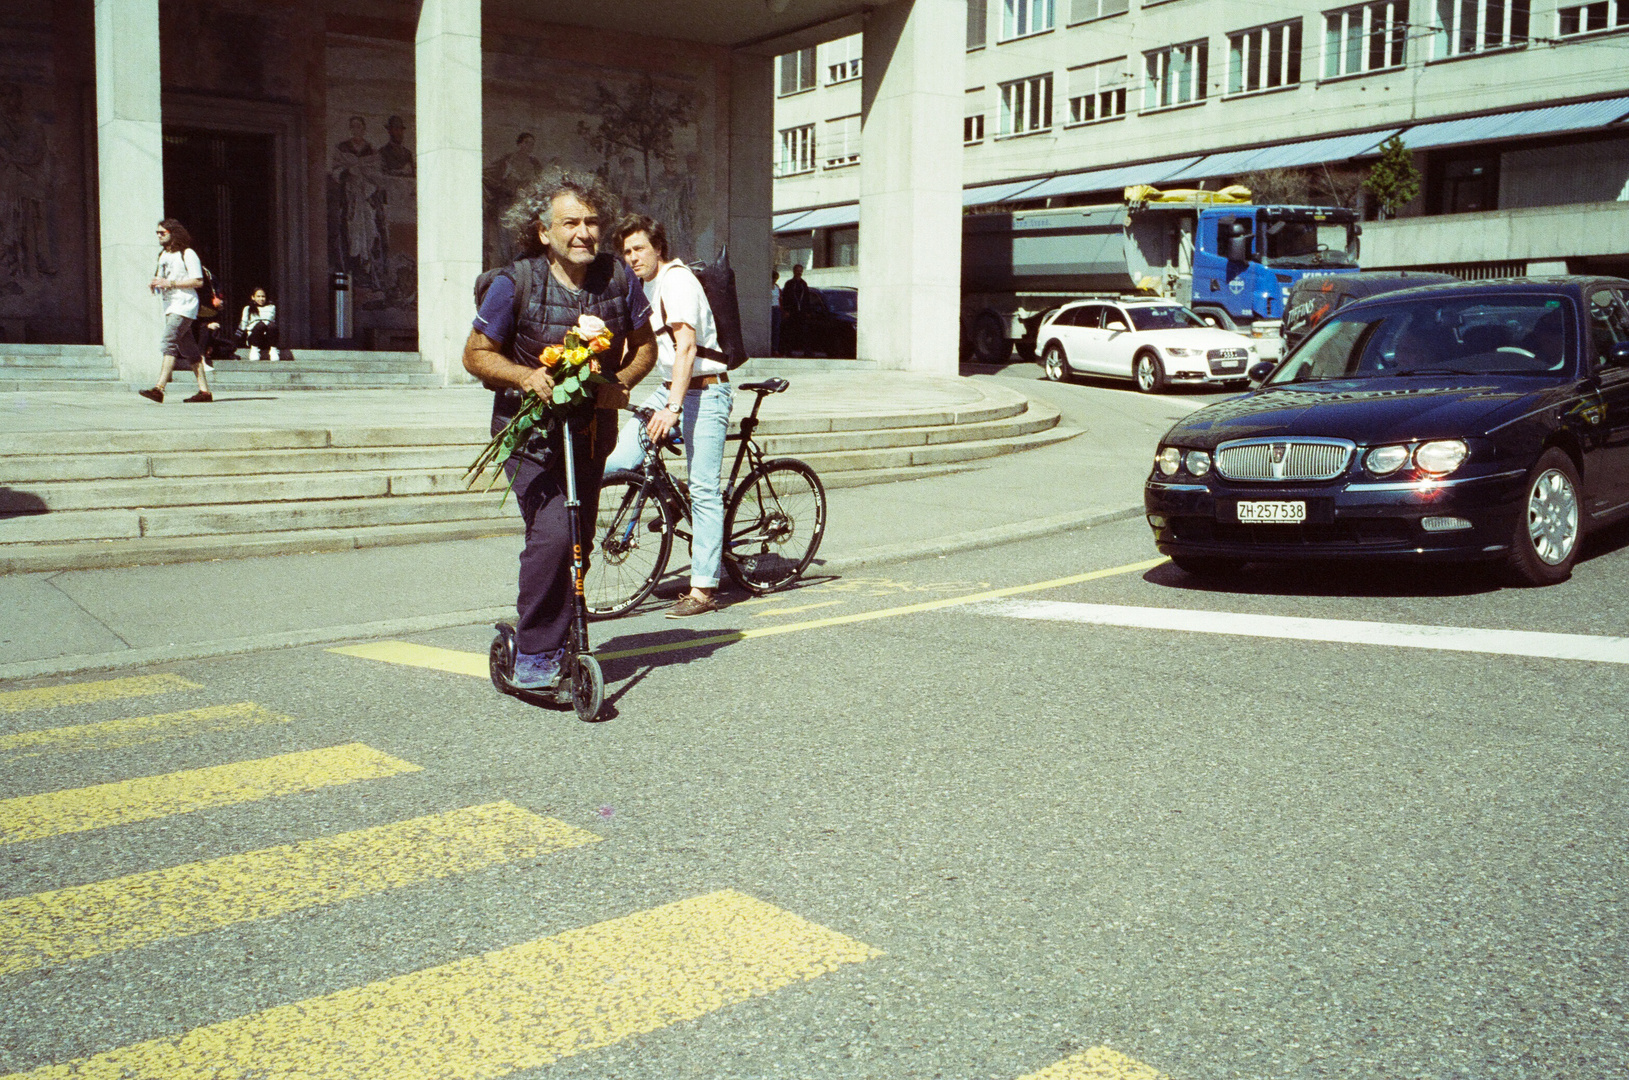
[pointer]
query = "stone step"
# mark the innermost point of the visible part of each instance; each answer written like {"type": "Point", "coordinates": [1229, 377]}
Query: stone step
{"type": "Point", "coordinates": [306, 362]}
{"type": "Point", "coordinates": [119, 442]}
{"type": "Point", "coordinates": [10, 349]}
{"type": "Point", "coordinates": [281, 376]}
{"type": "Point", "coordinates": [948, 453]}
{"type": "Point", "coordinates": [90, 361]}
{"type": "Point", "coordinates": [60, 382]}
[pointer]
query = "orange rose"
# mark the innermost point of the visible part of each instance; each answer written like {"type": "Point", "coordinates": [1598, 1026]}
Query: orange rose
{"type": "Point", "coordinates": [553, 353]}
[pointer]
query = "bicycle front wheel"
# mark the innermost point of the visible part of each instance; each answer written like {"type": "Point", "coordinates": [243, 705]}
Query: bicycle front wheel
{"type": "Point", "coordinates": [774, 526]}
{"type": "Point", "coordinates": [633, 536]}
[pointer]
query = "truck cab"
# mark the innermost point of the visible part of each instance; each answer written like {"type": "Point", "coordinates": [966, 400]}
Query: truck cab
{"type": "Point", "coordinates": [1247, 258]}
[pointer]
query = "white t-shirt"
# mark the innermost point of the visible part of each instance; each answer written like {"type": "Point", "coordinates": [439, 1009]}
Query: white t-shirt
{"type": "Point", "coordinates": [677, 295]}
{"type": "Point", "coordinates": [180, 266]}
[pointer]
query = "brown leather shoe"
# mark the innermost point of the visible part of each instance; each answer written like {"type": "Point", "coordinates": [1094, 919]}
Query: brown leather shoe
{"type": "Point", "coordinates": [688, 606]}
{"type": "Point", "coordinates": [202, 395]}
{"type": "Point", "coordinates": [155, 394]}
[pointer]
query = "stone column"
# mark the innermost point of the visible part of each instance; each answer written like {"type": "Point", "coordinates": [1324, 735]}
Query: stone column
{"type": "Point", "coordinates": [130, 182]}
{"type": "Point", "coordinates": [751, 180]}
{"type": "Point", "coordinates": [447, 76]}
{"type": "Point", "coordinates": [911, 185]}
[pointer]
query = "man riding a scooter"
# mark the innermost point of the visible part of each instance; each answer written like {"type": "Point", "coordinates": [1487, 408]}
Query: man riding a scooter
{"type": "Point", "coordinates": [560, 277]}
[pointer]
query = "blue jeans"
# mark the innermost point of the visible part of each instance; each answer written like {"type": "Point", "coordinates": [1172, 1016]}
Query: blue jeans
{"type": "Point", "coordinates": [705, 423]}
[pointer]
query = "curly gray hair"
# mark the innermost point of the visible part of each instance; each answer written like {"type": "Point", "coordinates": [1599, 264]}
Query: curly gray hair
{"type": "Point", "coordinates": [534, 205]}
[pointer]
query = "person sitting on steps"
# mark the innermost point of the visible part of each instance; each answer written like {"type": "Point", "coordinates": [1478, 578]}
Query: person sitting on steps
{"type": "Point", "coordinates": [258, 326]}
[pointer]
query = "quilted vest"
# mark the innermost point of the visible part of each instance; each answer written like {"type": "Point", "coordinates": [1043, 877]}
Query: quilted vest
{"type": "Point", "coordinates": [554, 309]}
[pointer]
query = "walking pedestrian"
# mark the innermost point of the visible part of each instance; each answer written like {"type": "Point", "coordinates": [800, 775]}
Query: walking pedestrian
{"type": "Point", "coordinates": [794, 296]}
{"type": "Point", "coordinates": [695, 395]}
{"type": "Point", "coordinates": [257, 328]}
{"type": "Point", "coordinates": [176, 279]}
{"type": "Point", "coordinates": [558, 222]}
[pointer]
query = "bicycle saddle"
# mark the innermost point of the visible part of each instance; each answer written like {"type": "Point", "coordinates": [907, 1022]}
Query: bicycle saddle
{"type": "Point", "coordinates": [768, 386]}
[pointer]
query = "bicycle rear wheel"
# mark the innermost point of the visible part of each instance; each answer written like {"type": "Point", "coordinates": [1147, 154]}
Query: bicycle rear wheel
{"type": "Point", "coordinates": [633, 536]}
{"type": "Point", "coordinates": [774, 525]}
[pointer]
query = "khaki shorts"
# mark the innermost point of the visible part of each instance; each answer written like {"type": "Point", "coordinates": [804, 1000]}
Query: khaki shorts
{"type": "Point", "coordinates": [178, 341]}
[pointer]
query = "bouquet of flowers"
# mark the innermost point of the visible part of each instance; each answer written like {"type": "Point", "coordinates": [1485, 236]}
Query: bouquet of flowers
{"type": "Point", "coordinates": [574, 365]}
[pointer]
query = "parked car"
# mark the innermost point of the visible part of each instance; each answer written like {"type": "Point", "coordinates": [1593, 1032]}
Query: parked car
{"type": "Point", "coordinates": [1315, 298]}
{"type": "Point", "coordinates": [1474, 421]}
{"type": "Point", "coordinates": [1155, 342]}
{"type": "Point", "coordinates": [827, 324]}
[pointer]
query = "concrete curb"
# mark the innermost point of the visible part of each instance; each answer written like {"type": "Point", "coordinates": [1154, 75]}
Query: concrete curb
{"type": "Point", "coordinates": [1031, 529]}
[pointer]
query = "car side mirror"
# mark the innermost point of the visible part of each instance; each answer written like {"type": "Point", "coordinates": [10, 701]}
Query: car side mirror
{"type": "Point", "coordinates": [1117, 327]}
{"type": "Point", "coordinates": [1210, 320]}
{"type": "Point", "coordinates": [1617, 354]}
{"type": "Point", "coordinates": [1258, 374]}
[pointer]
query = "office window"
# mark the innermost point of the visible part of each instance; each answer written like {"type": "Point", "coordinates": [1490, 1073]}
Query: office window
{"type": "Point", "coordinates": [1098, 91]}
{"type": "Point", "coordinates": [978, 17]}
{"type": "Point", "coordinates": [1021, 17]}
{"type": "Point", "coordinates": [1588, 18]}
{"type": "Point", "coordinates": [797, 71]}
{"type": "Point", "coordinates": [1263, 58]}
{"type": "Point", "coordinates": [840, 142]}
{"type": "Point", "coordinates": [1368, 37]}
{"type": "Point", "coordinates": [1026, 105]}
{"type": "Point", "coordinates": [973, 116]}
{"type": "Point", "coordinates": [1082, 10]}
{"type": "Point", "coordinates": [1175, 75]}
{"type": "Point", "coordinates": [797, 150]}
{"type": "Point", "coordinates": [1470, 26]}
{"type": "Point", "coordinates": [843, 246]}
{"type": "Point", "coordinates": [843, 58]}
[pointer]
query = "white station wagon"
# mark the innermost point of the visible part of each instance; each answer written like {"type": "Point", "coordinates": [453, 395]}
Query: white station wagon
{"type": "Point", "coordinates": [1156, 342]}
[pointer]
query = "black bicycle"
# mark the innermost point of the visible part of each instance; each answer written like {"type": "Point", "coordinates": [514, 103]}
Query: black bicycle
{"type": "Point", "coordinates": [773, 522]}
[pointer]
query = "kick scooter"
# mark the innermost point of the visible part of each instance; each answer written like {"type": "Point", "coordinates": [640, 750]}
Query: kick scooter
{"type": "Point", "coordinates": [582, 684]}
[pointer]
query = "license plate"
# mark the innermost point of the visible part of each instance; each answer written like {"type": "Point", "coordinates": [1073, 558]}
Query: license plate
{"type": "Point", "coordinates": [1260, 512]}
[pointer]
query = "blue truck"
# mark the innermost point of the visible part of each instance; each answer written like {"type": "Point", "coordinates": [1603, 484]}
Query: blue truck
{"type": "Point", "coordinates": [1232, 261]}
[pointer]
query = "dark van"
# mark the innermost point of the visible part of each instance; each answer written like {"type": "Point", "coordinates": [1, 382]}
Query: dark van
{"type": "Point", "coordinates": [1318, 296]}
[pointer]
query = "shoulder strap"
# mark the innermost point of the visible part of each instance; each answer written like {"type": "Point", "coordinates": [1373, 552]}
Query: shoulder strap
{"type": "Point", "coordinates": [525, 281]}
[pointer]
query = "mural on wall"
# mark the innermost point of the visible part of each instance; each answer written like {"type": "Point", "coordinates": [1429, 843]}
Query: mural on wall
{"type": "Point", "coordinates": [372, 181]}
{"type": "Point", "coordinates": [641, 132]}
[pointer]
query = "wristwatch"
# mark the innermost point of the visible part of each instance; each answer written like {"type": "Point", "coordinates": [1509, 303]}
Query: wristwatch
{"type": "Point", "coordinates": [676, 410]}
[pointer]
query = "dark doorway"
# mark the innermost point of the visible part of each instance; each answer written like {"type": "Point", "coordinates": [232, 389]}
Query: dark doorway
{"type": "Point", "coordinates": [220, 185]}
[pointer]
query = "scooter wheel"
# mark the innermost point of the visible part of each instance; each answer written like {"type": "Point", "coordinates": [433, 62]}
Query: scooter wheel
{"type": "Point", "coordinates": [501, 658]}
{"type": "Point", "coordinates": [587, 687]}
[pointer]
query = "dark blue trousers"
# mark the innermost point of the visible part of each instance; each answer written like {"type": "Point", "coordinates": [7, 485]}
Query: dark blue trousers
{"type": "Point", "coordinates": [544, 601]}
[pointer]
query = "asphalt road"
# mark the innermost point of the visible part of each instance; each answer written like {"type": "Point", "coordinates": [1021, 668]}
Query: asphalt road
{"type": "Point", "coordinates": [904, 823]}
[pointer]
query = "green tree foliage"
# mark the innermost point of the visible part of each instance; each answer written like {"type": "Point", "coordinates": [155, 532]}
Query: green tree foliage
{"type": "Point", "coordinates": [1393, 181]}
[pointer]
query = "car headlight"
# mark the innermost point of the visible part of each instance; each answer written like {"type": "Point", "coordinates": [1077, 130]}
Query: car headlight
{"type": "Point", "coordinates": [1198, 462]}
{"type": "Point", "coordinates": [1184, 352]}
{"type": "Point", "coordinates": [1385, 460]}
{"type": "Point", "coordinates": [1169, 461]}
{"type": "Point", "coordinates": [1441, 457]}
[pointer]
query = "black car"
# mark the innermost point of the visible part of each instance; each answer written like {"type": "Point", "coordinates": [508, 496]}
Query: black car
{"type": "Point", "coordinates": [1318, 296]}
{"type": "Point", "coordinates": [825, 325]}
{"type": "Point", "coordinates": [1475, 421]}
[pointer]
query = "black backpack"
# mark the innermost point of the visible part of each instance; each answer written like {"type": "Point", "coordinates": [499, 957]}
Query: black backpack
{"type": "Point", "coordinates": [210, 301]}
{"type": "Point", "coordinates": [718, 282]}
{"type": "Point", "coordinates": [520, 272]}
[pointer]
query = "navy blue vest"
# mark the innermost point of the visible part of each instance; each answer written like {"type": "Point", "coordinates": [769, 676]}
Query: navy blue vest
{"type": "Point", "coordinates": [554, 309]}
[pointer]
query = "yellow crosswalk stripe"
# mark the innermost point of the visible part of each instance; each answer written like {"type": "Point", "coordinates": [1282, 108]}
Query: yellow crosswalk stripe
{"type": "Point", "coordinates": [1098, 1063]}
{"type": "Point", "coordinates": [468, 663]}
{"type": "Point", "coordinates": [33, 817]}
{"type": "Point", "coordinates": [516, 1008]}
{"type": "Point", "coordinates": [427, 656]}
{"type": "Point", "coordinates": [86, 693]}
{"type": "Point", "coordinates": [161, 905]}
{"type": "Point", "coordinates": [135, 730]}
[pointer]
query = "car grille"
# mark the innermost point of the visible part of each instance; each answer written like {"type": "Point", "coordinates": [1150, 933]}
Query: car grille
{"type": "Point", "coordinates": [1284, 459]}
{"type": "Point", "coordinates": [1226, 361]}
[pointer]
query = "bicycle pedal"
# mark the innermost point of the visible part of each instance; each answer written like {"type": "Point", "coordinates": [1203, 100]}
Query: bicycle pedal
{"type": "Point", "coordinates": [655, 526]}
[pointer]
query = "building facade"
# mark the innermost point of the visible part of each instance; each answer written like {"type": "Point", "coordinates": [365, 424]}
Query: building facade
{"type": "Point", "coordinates": [1513, 111]}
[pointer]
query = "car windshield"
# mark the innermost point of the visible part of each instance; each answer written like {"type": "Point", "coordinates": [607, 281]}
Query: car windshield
{"type": "Point", "coordinates": [1306, 243]}
{"type": "Point", "coordinates": [1166, 317]}
{"type": "Point", "coordinates": [1442, 335]}
{"type": "Point", "coordinates": [842, 301]}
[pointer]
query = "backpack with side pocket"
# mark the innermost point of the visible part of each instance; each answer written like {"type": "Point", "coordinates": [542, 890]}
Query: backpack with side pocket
{"type": "Point", "coordinates": [210, 300]}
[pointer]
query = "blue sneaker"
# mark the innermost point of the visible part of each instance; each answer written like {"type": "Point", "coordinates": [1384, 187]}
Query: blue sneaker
{"type": "Point", "coordinates": [538, 671]}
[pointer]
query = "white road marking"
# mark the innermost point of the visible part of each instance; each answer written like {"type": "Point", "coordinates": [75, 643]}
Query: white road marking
{"type": "Point", "coordinates": [1591, 647]}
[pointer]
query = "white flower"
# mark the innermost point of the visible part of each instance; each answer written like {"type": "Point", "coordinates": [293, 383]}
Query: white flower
{"type": "Point", "coordinates": [590, 326]}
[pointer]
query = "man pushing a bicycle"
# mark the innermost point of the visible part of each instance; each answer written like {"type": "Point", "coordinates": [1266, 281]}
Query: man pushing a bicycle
{"type": "Point", "coordinates": [560, 278]}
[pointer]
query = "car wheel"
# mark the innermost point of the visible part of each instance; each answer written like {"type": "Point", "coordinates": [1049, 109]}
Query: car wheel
{"type": "Point", "coordinates": [990, 342]}
{"type": "Point", "coordinates": [1055, 363]}
{"type": "Point", "coordinates": [1207, 566]}
{"type": "Point", "coordinates": [1547, 534]}
{"type": "Point", "coordinates": [1150, 373]}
